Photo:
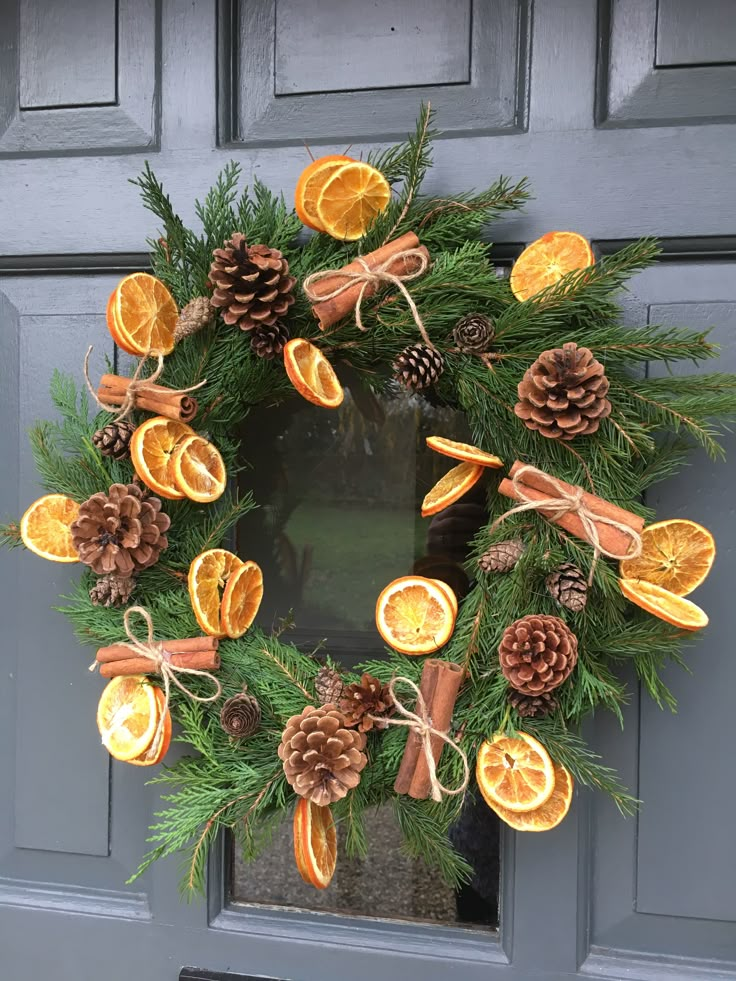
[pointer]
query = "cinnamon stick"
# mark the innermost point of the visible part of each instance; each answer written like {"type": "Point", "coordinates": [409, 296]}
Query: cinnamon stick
{"type": "Point", "coordinates": [150, 397]}
{"type": "Point", "coordinates": [198, 660]}
{"type": "Point", "coordinates": [441, 707]}
{"type": "Point", "coordinates": [189, 645]}
{"type": "Point", "coordinates": [413, 746]}
{"type": "Point", "coordinates": [329, 312]}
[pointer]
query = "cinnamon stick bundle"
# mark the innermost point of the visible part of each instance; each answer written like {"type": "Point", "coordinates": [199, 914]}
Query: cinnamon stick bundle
{"type": "Point", "coordinates": [329, 312]}
{"type": "Point", "coordinates": [163, 401]}
{"type": "Point", "coordinates": [199, 653]}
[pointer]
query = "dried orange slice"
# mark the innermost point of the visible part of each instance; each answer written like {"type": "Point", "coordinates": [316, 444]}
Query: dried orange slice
{"type": "Point", "coordinates": [45, 528]}
{"type": "Point", "coordinates": [241, 599]}
{"type": "Point", "coordinates": [515, 772]}
{"type": "Point", "coordinates": [463, 451]}
{"type": "Point", "coordinates": [350, 200]}
{"type": "Point", "coordinates": [159, 746]}
{"type": "Point", "coordinates": [449, 593]}
{"type": "Point", "coordinates": [664, 604]}
{"type": "Point", "coordinates": [549, 814]}
{"type": "Point", "coordinates": [414, 615]}
{"type": "Point", "coordinates": [676, 555]}
{"type": "Point", "coordinates": [315, 843]}
{"type": "Point", "coordinates": [198, 469]}
{"type": "Point", "coordinates": [152, 448]}
{"type": "Point", "coordinates": [127, 716]}
{"type": "Point", "coordinates": [311, 374]}
{"type": "Point", "coordinates": [546, 261]}
{"type": "Point", "coordinates": [451, 487]}
{"type": "Point", "coordinates": [208, 576]}
{"type": "Point", "coordinates": [142, 315]}
{"type": "Point", "coordinates": [309, 187]}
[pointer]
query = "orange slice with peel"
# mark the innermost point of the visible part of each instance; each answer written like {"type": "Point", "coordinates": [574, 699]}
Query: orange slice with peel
{"type": "Point", "coordinates": [662, 603]}
{"type": "Point", "coordinates": [515, 772]}
{"type": "Point", "coordinates": [449, 592]}
{"type": "Point", "coordinates": [451, 487]}
{"type": "Point", "coordinates": [311, 374]}
{"type": "Point", "coordinates": [241, 599]}
{"type": "Point", "coordinates": [351, 199]}
{"type": "Point", "coordinates": [547, 815]}
{"type": "Point", "coordinates": [159, 747]}
{"type": "Point", "coordinates": [315, 843]}
{"type": "Point", "coordinates": [208, 576]}
{"type": "Point", "coordinates": [546, 261]}
{"type": "Point", "coordinates": [415, 615]}
{"type": "Point", "coordinates": [463, 451]}
{"type": "Point", "coordinates": [152, 448]}
{"type": "Point", "coordinates": [45, 528]}
{"type": "Point", "coordinates": [127, 715]}
{"type": "Point", "coordinates": [309, 187]}
{"type": "Point", "coordinates": [676, 554]}
{"type": "Point", "coordinates": [142, 315]}
{"type": "Point", "coordinates": [198, 469]}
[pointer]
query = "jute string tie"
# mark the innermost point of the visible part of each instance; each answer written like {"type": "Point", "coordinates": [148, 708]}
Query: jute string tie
{"type": "Point", "coordinates": [377, 277]}
{"type": "Point", "coordinates": [571, 502]}
{"type": "Point", "coordinates": [420, 723]}
{"type": "Point", "coordinates": [161, 662]}
{"type": "Point", "coordinates": [136, 385]}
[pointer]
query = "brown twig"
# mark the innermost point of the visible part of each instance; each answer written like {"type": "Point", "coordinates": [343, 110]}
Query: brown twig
{"type": "Point", "coordinates": [472, 647]}
{"type": "Point", "coordinates": [583, 464]}
{"type": "Point", "coordinates": [310, 697]}
{"type": "Point", "coordinates": [626, 436]}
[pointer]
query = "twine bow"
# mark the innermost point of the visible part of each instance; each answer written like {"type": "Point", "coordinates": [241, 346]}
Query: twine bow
{"type": "Point", "coordinates": [136, 384]}
{"type": "Point", "coordinates": [373, 277]}
{"type": "Point", "coordinates": [161, 661]}
{"type": "Point", "coordinates": [571, 502]}
{"type": "Point", "coordinates": [420, 723]}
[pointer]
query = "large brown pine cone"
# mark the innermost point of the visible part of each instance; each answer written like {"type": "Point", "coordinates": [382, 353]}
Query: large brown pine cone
{"type": "Point", "coordinates": [364, 700]}
{"type": "Point", "coordinates": [119, 531]}
{"type": "Point", "coordinates": [563, 394]}
{"type": "Point", "coordinates": [322, 758]}
{"type": "Point", "coordinates": [252, 283]}
{"type": "Point", "coordinates": [537, 653]}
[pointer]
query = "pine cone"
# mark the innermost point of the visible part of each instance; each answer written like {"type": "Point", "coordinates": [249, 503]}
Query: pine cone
{"type": "Point", "coordinates": [240, 715]}
{"type": "Point", "coordinates": [322, 758]}
{"type": "Point", "coordinates": [563, 394]}
{"type": "Point", "coordinates": [503, 556]}
{"type": "Point", "coordinates": [328, 684]}
{"type": "Point", "coordinates": [568, 586]}
{"type": "Point", "coordinates": [114, 439]}
{"type": "Point", "coordinates": [196, 315]}
{"type": "Point", "coordinates": [418, 367]}
{"type": "Point", "coordinates": [531, 706]}
{"type": "Point", "coordinates": [252, 283]}
{"type": "Point", "coordinates": [474, 334]}
{"type": "Point", "coordinates": [269, 341]}
{"type": "Point", "coordinates": [363, 699]}
{"type": "Point", "coordinates": [537, 653]}
{"type": "Point", "coordinates": [120, 532]}
{"type": "Point", "coordinates": [112, 590]}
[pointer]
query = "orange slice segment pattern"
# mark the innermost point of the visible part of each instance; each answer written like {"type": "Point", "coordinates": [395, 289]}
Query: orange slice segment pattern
{"type": "Point", "coordinates": [208, 577]}
{"type": "Point", "coordinates": [676, 555]}
{"type": "Point", "coordinates": [546, 261]}
{"type": "Point", "coordinates": [198, 469]}
{"type": "Point", "coordinates": [662, 603]}
{"type": "Point", "coordinates": [415, 615]}
{"type": "Point", "coordinates": [152, 449]}
{"type": "Point", "coordinates": [142, 315]}
{"type": "Point", "coordinates": [351, 199]}
{"type": "Point", "coordinates": [549, 814]}
{"type": "Point", "coordinates": [127, 715]}
{"type": "Point", "coordinates": [515, 772]}
{"type": "Point", "coordinates": [309, 187]}
{"type": "Point", "coordinates": [451, 487]}
{"type": "Point", "coordinates": [45, 528]}
{"type": "Point", "coordinates": [315, 843]}
{"type": "Point", "coordinates": [241, 599]}
{"type": "Point", "coordinates": [311, 374]}
{"type": "Point", "coordinates": [463, 451]}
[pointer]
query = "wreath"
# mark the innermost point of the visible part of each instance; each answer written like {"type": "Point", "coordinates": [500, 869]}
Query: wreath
{"type": "Point", "coordinates": [570, 579]}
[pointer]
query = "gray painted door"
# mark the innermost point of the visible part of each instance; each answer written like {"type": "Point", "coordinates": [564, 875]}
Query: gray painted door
{"type": "Point", "coordinates": [622, 115]}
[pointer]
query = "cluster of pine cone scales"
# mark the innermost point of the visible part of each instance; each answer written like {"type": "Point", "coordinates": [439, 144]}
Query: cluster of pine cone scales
{"type": "Point", "coordinates": [252, 283]}
{"type": "Point", "coordinates": [537, 653]}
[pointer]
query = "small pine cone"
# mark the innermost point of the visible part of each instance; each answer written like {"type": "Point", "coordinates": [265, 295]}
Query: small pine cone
{"type": "Point", "coordinates": [474, 333]}
{"type": "Point", "coordinates": [252, 283]}
{"type": "Point", "coordinates": [365, 699]}
{"type": "Point", "coordinates": [328, 684]}
{"type": "Point", "coordinates": [568, 586]}
{"type": "Point", "coordinates": [531, 706]}
{"type": "Point", "coordinates": [563, 394]}
{"type": "Point", "coordinates": [418, 367]}
{"type": "Point", "coordinates": [240, 716]}
{"type": "Point", "coordinates": [114, 439]}
{"type": "Point", "coordinates": [112, 590]}
{"type": "Point", "coordinates": [503, 556]}
{"type": "Point", "coordinates": [537, 653]}
{"type": "Point", "coordinates": [322, 759]}
{"type": "Point", "coordinates": [269, 341]}
{"type": "Point", "coordinates": [196, 315]}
